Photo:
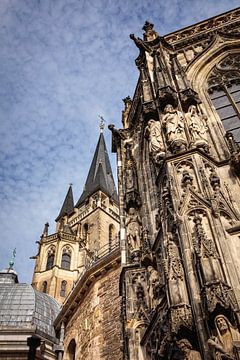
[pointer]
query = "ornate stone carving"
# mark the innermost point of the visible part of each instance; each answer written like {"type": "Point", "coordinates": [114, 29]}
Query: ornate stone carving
{"type": "Point", "coordinates": [174, 128]}
{"type": "Point", "coordinates": [215, 290]}
{"type": "Point", "coordinates": [188, 353]}
{"type": "Point", "coordinates": [131, 182]}
{"type": "Point", "coordinates": [197, 128]}
{"type": "Point", "coordinates": [226, 344]}
{"type": "Point", "coordinates": [154, 287]}
{"type": "Point", "coordinates": [154, 136]}
{"type": "Point", "coordinates": [226, 72]}
{"type": "Point", "coordinates": [181, 315]}
{"type": "Point", "coordinates": [219, 293]}
{"type": "Point", "coordinates": [134, 230]}
{"type": "Point", "coordinates": [235, 152]}
{"type": "Point", "coordinates": [150, 34]}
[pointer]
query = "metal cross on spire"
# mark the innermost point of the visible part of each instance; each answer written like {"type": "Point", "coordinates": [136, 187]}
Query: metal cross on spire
{"type": "Point", "coordinates": [102, 123]}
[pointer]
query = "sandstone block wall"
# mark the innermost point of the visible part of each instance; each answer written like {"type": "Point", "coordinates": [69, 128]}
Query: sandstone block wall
{"type": "Point", "coordinates": [95, 325]}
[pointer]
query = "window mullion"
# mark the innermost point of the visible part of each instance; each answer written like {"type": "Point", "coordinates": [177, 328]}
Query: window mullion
{"type": "Point", "coordinates": [232, 101]}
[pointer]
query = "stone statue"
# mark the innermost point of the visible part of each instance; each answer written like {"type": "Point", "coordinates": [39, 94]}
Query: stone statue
{"type": "Point", "coordinates": [197, 127]}
{"type": "Point", "coordinates": [154, 287]}
{"type": "Point", "coordinates": [173, 122]}
{"type": "Point", "coordinates": [133, 224]}
{"type": "Point", "coordinates": [225, 341]}
{"type": "Point", "coordinates": [153, 133]}
{"type": "Point", "coordinates": [187, 350]}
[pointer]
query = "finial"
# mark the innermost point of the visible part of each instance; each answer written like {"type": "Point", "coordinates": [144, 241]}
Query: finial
{"type": "Point", "coordinates": [102, 123]}
{"type": "Point", "coordinates": [70, 184]}
{"type": "Point", "coordinates": [11, 262]}
{"type": "Point", "coordinates": [147, 26]}
{"type": "Point", "coordinates": [150, 34]}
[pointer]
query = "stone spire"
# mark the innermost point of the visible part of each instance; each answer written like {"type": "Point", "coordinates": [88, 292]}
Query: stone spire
{"type": "Point", "coordinates": [100, 175]}
{"type": "Point", "coordinates": [68, 204]}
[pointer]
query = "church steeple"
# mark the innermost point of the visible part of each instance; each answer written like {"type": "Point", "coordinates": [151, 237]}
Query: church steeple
{"type": "Point", "coordinates": [68, 204]}
{"type": "Point", "coordinates": [100, 175]}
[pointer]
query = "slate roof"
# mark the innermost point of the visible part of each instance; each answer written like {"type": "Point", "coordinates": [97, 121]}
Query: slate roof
{"type": "Point", "coordinates": [100, 175]}
{"type": "Point", "coordinates": [68, 204]}
{"type": "Point", "coordinates": [23, 307]}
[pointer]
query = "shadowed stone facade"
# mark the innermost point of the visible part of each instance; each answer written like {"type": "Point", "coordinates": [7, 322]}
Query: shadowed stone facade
{"type": "Point", "coordinates": [178, 171]}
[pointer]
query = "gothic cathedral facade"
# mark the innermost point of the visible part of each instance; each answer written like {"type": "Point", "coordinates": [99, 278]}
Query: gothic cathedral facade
{"type": "Point", "coordinates": [178, 168]}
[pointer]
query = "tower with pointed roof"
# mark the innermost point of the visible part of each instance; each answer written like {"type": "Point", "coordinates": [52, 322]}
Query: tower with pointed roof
{"type": "Point", "coordinates": [84, 233]}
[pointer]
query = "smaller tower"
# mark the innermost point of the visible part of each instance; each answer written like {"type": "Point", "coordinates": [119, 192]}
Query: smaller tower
{"type": "Point", "coordinates": [57, 259]}
{"type": "Point", "coordinates": [84, 232]}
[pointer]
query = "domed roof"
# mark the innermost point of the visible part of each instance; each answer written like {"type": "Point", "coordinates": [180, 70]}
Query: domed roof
{"type": "Point", "coordinates": [21, 306]}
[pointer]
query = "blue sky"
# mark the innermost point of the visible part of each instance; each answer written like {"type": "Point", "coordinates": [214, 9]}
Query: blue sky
{"type": "Point", "coordinates": [63, 62]}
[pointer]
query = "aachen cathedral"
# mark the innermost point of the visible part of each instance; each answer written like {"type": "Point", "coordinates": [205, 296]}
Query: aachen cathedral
{"type": "Point", "coordinates": [150, 272]}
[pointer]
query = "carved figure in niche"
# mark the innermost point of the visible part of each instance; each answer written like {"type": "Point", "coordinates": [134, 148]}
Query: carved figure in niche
{"type": "Point", "coordinates": [130, 173]}
{"type": "Point", "coordinates": [226, 340]}
{"type": "Point", "coordinates": [175, 275]}
{"type": "Point", "coordinates": [155, 286]}
{"type": "Point", "coordinates": [174, 126]}
{"type": "Point", "coordinates": [188, 353]}
{"type": "Point", "coordinates": [133, 224]}
{"type": "Point", "coordinates": [206, 252]}
{"type": "Point", "coordinates": [197, 127]}
{"type": "Point", "coordinates": [153, 133]}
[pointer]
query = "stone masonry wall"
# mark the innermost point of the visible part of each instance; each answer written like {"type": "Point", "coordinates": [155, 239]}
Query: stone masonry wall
{"type": "Point", "coordinates": [95, 325]}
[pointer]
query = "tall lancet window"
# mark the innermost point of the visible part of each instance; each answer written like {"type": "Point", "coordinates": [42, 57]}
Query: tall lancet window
{"type": "Point", "coordinates": [66, 258]}
{"type": "Point", "coordinates": [50, 258]}
{"type": "Point", "coordinates": [63, 288]}
{"type": "Point", "coordinates": [224, 91]}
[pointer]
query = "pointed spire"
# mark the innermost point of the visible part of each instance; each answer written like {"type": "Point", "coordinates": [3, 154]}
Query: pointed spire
{"type": "Point", "coordinates": [100, 175]}
{"type": "Point", "coordinates": [68, 204]}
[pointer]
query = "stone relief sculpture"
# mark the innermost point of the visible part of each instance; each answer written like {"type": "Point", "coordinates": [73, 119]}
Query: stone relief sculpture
{"type": "Point", "coordinates": [174, 127]}
{"type": "Point", "coordinates": [188, 353]}
{"type": "Point", "coordinates": [133, 225]}
{"type": "Point", "coordinates": [226, 341]}
{"type": "Point", "coordinates": [154, 287]}
{"type": "Point", "coordinates": [197, 127]}
{"type": "Point", "coordinates": [153, 133]}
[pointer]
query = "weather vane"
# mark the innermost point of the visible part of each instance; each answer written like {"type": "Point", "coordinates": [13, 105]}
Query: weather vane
{"type": "Point", "coordinates": [102, 123]}
{"type": "Point", "coordinates": [11, 262]}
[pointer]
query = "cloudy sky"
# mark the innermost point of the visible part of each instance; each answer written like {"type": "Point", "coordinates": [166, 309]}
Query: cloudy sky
{"type": "Point", "coordinates": [63, 62]}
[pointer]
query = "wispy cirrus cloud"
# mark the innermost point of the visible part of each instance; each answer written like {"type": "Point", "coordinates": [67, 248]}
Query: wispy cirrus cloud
{"type": "Point", "coordinates": [63, 63]}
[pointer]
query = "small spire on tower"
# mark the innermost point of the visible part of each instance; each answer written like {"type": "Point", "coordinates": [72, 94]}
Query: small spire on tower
{"type": "Point", "coordinates": [102, 123]}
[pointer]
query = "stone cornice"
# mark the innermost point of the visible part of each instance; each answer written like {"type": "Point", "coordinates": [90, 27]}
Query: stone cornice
{"type": "Point", "coordinates": [203, 29]}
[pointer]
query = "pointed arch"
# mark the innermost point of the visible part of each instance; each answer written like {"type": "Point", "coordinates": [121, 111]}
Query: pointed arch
{"type": "Point", "coordinates": [66, 257]}
{"type": "Point", "coordinates": [199, 71]}
{"type": "Point", "coordinates": [71, 350]}
{"type": "Point", "coordinates": [63, 288]}
{"type": "Point", "coordinates": [50, 258]}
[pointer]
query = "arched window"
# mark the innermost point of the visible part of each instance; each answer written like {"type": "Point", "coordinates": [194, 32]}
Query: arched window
{"type": "Point", "coordinates": [50, 261]}
{"type": "Point", "coordinates": [66, 258]}
{"type": "Point", "coordinates": [63, 288]}
{"type": "Point", "coordinates": [66, 261]}
{"type": "Point", "coordinates": [44, 287]}
{"type": "Point", "coordinates": [50, 258]}
{"type": "Point", "coordinates": [71, 350]}
{"type": "Point", "coordinates": [224, 91]}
